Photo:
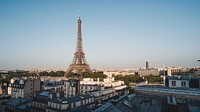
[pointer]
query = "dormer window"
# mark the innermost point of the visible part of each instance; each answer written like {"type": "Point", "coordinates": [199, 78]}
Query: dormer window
{"type": "Point", "coordinates": [173, 83]}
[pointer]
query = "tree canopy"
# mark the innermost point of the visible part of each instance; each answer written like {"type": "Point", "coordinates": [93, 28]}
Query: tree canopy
{"type": "Point", "coordinates": [154, 79]}
{"type": "Point", "coordinates": [10, 75]}
{"type": "Point", "coordinates": [52, 73]}
{"type": "Point", "coordinates": [95, 75]}
{"type": "Point", "coordinates": [135, 79]}
{"type": "Point", "coordinates": [129, 78]}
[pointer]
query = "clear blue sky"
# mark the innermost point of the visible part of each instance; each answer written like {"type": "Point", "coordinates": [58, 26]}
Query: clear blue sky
{"type": "Point", "coordinates": [116, 33]}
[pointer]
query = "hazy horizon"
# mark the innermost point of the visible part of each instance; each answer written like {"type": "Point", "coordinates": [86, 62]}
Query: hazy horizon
{"type": "Point", "coordinates": [116, 33]}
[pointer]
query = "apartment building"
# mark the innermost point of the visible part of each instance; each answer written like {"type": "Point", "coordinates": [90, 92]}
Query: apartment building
{"type": "Point", "coordinates": [24, 87]}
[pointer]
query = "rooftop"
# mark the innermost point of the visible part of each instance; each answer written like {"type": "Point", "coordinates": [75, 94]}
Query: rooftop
{"type": "Point", "coordinates": [80, 109]}
{"type": "Point", "coordinates": [183, 91]}
{"type": "Point", "coordinates": [71, 99]}
{"type": "Point", "coordinates": [26, 106]}
{"type": "Point", "coordinates": [17, 101]}
{"type": "Point", "coordinates": [182, 77]}
{"type": "Point", "coordinates": [20, 103]}
{"type": "Point", "coordinates": [44, 93]}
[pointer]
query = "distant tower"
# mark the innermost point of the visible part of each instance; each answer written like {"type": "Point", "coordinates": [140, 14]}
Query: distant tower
{"type": "Point", "coordinates": [79, 63]}
{"type": "Point", "coordinates": [147, 65]}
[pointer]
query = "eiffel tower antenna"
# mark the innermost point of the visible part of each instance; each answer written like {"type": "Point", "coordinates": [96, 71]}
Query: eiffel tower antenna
{"type": "Point", "coordinates": [79, 63]}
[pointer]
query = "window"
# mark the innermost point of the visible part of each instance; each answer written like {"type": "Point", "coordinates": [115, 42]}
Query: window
{"type": "Point", "coordinates": [183, 84]}
{"type": "Point", "coordinates": [173, 83]}
{"type": "Point", "coordinates": [57, 105]}
{"type": "Point", "coordinates": [51, 105]}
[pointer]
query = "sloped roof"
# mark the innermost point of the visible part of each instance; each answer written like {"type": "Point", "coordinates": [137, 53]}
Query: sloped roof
{"type": "Point", "coordinates": [71, 99]}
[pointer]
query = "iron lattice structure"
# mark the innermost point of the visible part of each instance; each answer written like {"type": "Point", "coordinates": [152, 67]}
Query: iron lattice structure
{"type": "Point", "coordinates": [79, 63]}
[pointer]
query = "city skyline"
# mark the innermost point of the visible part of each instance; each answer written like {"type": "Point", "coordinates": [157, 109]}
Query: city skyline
{"type": "Point", "coordinates": [116, 34]}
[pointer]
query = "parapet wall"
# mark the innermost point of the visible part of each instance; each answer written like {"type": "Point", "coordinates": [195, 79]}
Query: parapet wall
{"type": "Point", "coordinates": [161, 93]}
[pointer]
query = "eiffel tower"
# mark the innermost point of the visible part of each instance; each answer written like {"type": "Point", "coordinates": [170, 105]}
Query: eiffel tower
{"type": "Point", "coordinates": [79, 63]}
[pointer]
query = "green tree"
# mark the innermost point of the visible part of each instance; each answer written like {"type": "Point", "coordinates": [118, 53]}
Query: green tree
{"type": "Point", "coordinates": [129, 78]}
{"type": "Point", "coordinates": [74, 75]}
{"type": "Point", "coordinates": [60, 73]}
{"type": "Point", "coordinates": [94, 75]}
{"type": "Point", "coordinates": [154, 79]}
{"type": "Point", "coordinates": [44, 73]}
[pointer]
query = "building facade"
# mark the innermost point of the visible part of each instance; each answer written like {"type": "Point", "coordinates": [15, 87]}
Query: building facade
{"type": "Point", "coordinates": [71, 88]}
{"type": "Point", "coordinates": [40, 101]}
{"type": "Point", "coordinates": [182, 82]}
{"type": "Point", "coordinates": [18, 105]}
{"type": "Point", "coordinates": [24, 87]}
{"type": "Point", "coordinates": [107, 82]}
{"type": "Point", "coordinates": [65, 104]}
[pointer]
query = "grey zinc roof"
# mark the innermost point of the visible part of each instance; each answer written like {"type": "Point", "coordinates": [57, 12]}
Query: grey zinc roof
{"type": "Point", "coordinates": [71, 99]}
{"type": "Point", "coordinates": [44, 93]}
{"type": "Point", "coordinates": [24, 106]}
{"type": "Point", "coordinates": [80, 109]}
{"type": "Point", "coordinates": [16, 82]}
{"type": "Point", "coordinates": [20, 103]}
{"type": "Point", "coordinates": [42, 97]}
{"type": "Point", "coordinates": [86, 96]}
{"type": "Point", "coordinates": [17, 101]}
{"type": "Point", "coordinates": [50, 84]}
{"type": "Point", "coordinates": [182, 78]}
